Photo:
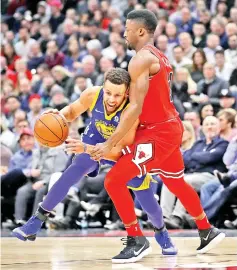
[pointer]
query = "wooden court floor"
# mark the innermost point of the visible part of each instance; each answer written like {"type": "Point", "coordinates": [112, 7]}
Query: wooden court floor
{"type": "Point", "coordinates": [95, 253]}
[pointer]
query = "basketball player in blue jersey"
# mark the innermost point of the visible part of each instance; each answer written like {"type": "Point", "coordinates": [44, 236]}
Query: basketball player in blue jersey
{"type": "Point", "coordinates": [107, 105]}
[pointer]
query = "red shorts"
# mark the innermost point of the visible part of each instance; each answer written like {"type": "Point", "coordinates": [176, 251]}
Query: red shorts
{"type": "Point", "coordinates": [156, 149]}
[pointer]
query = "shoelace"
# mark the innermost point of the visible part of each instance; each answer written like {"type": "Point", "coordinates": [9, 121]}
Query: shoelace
{"type": "Point", "coordinates": [128, 242]}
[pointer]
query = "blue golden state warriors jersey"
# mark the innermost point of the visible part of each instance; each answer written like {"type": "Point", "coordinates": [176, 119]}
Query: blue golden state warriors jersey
{"type": "Point", "coordinates": [101, 126]}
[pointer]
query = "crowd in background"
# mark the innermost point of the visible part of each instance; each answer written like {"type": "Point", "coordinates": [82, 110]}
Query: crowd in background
{"type": "Point", "coordinates": [50, 53]}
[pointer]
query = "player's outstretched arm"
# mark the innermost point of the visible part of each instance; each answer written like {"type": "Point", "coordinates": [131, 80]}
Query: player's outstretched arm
{"type": "Point", "coordinates": [82, 104]}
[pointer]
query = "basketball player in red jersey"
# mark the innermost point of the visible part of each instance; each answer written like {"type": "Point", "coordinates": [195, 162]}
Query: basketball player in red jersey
{"type": "Point", "coordinates": [156, 148]}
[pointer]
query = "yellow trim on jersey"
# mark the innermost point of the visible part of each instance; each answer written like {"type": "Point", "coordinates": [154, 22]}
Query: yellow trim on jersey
{"type": "Point", "coordinates": [109, 117]}
{"type": "Point", "coordinates": [95, 99]}
{"type": "Point", "coordinates": [145, 184]}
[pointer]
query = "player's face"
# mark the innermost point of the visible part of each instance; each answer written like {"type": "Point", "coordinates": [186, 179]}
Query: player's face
{"type": "Point", "coordinates": [131, 34]}
{"type": "Point", "coordinates": [114, 96]}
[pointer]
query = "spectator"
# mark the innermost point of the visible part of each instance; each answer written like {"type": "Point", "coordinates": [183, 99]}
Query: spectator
{"type": "Point", "coordinates": [183, 85]}
{"type": "Point", "coordinates": [21, 72]}
{"type": "Point", "coordinates": [185, 24]}
{"type": "Point", "coordinates": [185, 42]}
{"type": "Point", "coordinates": [215, 193]}
{"type": "Point", "coordinates": [179, 60]}
{"type": "Point", "coordinates": [111, 50]}
{"type": "Point", "coordinates": [88, 68]}
{"type": "Point", "coordinates": [223, 69]}
{"type": "Point", "coordinates": [105, 65]}
{"type": "Point", "coordinates": [210, 87]}
{"type": "Point", "coordinates": [199, 35]}
{"type": "Point", "coordinates": [171, 33]}
{"type": "Point", "coordinates": [227, 122]}
{"type": "Point", "coordinates": [67, 31]}
{"type": "Point", "coordinates": [24, 93]}
{"type": "Point", "coordinates": [231, 53]}
{"type": "Point", "coordinates": [123, 58]}
{"type": "Point", "coordinates": [80, 84]}
{"type": "Point", "coordinates": [45, 37]}
{"type": "Point", "coordinates": [7, 137]}
{"type": "Point", "coordinates": [199, 59]}
{"type": "Point", "coordinates": [45, 162]}
{"type": "Point", "coordinates": [227, 99]}
{"type": "Point", "coordinates": [195, 120]}
{"type": "Point", "coordinates": [58, 98]}
{"type": "Point", "coordinates": [200, 162]}
{"type": "Point", "coordinates": [19, 167]}
{"type": "Point", "coordinates": [12, 105]}
{"type": "Point", "coordinates": [213, 45]}
{"type": "Point", "coordinates": [56, 16]}
{"type": "Point", "coordinates": [162, 45]}
{"type": "Point", "coordinates": [10, 55]}
{"type": "Point", "coordinates": [96, 33]}
{"type": "Point", "coordinates": [206, 110]}
{"type": "Point", "coordinates": [22, 47]}
{"type": "Point", "coordinates": [73, 55]}
{"type": "Point", "coordinates": [35, 105]}
{"type": "Point", "coordinates": [35, 57]}
{"type": "Point", "coordinates": [53, 56]}
{"type": "Point", "coordinates": [94, 48]}
{"type": "Point", "coordinates": [43, 11]}
{"type": "Point", "coordinates": [233, 14]}
{"type": "Point", "coordinates": [63, 78]}
{"type": "Point", "coordinates": [217, 27]}
{"type": "Point", "coordinates": [189, 137]}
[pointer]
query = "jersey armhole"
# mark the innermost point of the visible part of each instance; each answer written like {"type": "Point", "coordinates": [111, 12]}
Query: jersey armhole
{"type": "Point", "coordinates": [95, 99]}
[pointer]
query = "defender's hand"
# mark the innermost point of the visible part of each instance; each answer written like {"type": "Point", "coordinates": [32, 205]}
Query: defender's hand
{"type": "Point", "coordinates": [100, 151]}
{"type": "Point", "coordinates": [74, 146]}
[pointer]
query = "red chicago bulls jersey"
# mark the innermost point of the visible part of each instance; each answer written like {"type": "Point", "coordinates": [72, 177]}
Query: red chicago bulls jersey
{"type": "Point", "coordinates": [158, 105]}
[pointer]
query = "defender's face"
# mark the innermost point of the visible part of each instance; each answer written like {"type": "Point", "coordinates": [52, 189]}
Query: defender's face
{"type": "Point", "coordinates": [131, 34]}
{"type": "Point", "coordinates": [114, 96]}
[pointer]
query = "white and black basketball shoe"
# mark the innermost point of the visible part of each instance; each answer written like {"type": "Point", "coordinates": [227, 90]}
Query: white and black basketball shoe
{"type": "Point", "coordinates": [136, 248]}
{"type": "Point", "coordinates": [210, 238]}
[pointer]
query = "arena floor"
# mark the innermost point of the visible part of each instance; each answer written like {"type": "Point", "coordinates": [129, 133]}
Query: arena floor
{"type": "Point", "coordinates": [93, 250]}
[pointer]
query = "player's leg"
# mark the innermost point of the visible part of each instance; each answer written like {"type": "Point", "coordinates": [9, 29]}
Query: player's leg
{"type": "Point", "coordinates": [137, 246]}
{"type": "Point", "coordinates": [81, 165]}
{"type": "Point", "coordinates": [154, 212]}
{"type": "Point", "coordinates": [209, 235]}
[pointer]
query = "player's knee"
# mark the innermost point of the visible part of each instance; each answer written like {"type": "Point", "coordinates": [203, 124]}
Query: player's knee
{"type": "Point", "coordinates": [109, 183]}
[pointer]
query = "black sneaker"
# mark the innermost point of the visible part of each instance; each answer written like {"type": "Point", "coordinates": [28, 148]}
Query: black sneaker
{"type": "Point", "coordinates": [136, 248]}
{"type": "Point", "coordinates": [209, 239]}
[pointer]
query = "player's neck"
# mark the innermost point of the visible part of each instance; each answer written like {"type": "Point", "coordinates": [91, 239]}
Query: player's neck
{"type": "Point", "coordinates": [143, 43]}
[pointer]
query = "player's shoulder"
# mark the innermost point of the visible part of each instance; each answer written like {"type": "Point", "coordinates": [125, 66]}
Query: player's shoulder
{"type": "Point", "coordinates": [92, 91]}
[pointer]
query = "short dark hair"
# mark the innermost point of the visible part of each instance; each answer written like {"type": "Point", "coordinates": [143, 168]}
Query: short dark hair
{"type": "Point", "coordinates": [118, 76]}
{"type": "Point", "coordinates": [13, 96]}
{"type": "Point", "coordinates": [177, 46]}
{"type": "Point", "coordinates": [222, 52]}
{"type": "Point", "coordinates": [146, 17]}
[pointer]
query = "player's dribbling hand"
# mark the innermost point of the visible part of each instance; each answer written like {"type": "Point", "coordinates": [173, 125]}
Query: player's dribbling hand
{"type": "Point", "coordinates": [100, 151]}
{"type": "Point", "coordinates": [73, 146]}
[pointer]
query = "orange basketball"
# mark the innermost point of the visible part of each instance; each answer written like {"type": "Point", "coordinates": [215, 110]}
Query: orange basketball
{"type": "Point", "coordinates": [51, 129]}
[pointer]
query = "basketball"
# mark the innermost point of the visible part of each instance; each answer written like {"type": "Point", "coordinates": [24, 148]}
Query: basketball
{"type": "Point", "coordinates": [51, 129]}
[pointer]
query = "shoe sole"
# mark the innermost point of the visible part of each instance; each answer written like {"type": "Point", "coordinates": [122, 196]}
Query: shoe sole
{"type": "Point", "coordinates": [134, 259]}
{"type": "Point", "coordinates": [22, 236]}
{"type": "Point", "coordinates": [212, 244]}
{"type": "Point", "coordinates": [174, 253]}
